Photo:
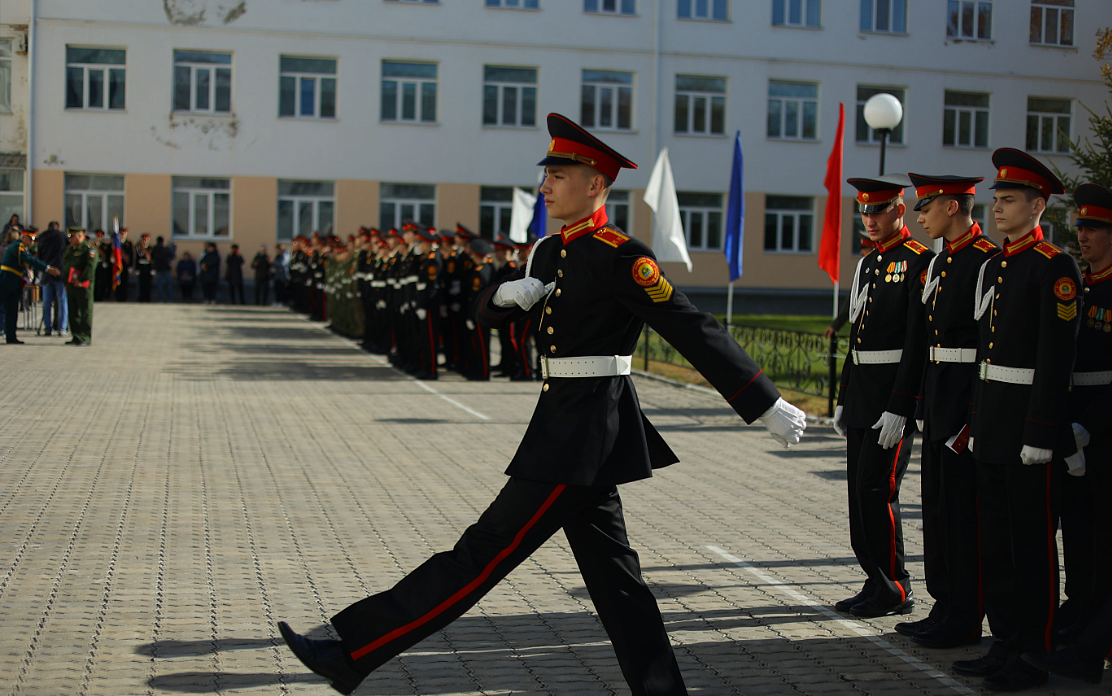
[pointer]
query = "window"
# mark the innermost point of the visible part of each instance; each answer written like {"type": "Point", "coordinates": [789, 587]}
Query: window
{"type": "Point", "coordinates": [866, 134]}
{"type": "Point", "coordinates": [607, 100]}
{"type": "Point", "coordinates": [625, 7]}
{"type": "Point", "coordinates": [965, 120]}
{"type": "Point", "coordinates": [307, 87]}
{"type": "Point", "coordinates": [408, 92]}
{"type": "Point", "coordinates": [700, 104]}
{"type": "Point", "coordinates": [980, 216]}
{"type": "Point", "coordinates": [795, 13]}
{"type": "Point", "coordinates": [11, 194]}
{"type": "Point", "coordinates": [6, 77]}
{"type": "Point", "coordinates": [92, 200]}
{"type": "Point", "coordinates": [91, 80]}
{"type": "Point", "coordinates": [886, 16]}
{"type": "Point", "coordinates": [968, 20]}
{"type": "Point", "coordinates": [202, 82]}
{"type": "Point", "coordinates": [427, 2]}
{"type": "Point", "coordinates": [1052, 22]}
{"type": "Point", "coordinates": [617, 209]}
{"type": "Point", "coordinates": [1048, 125]}
{"type": "Point", "coordinates": [519, 4]}
{"type": "Point", "coordinates": [701, 215]}
{"type": "Point", "coordinates": [793, 110]}
{"type": "Point", "coordinates": [702, 9]}
{"type": "Point", "coordinates": [509, 96]}
{"type": "Point", "coordinates": [495, 210]}
{"type": "Point", "coordinates": [202, 207]}
{"type": "Point", "coordinates": [401, 202]}
{"type": "Point", "coordinates": [789, 223]}
{"type": "Point", "coordinates": [305, 207]}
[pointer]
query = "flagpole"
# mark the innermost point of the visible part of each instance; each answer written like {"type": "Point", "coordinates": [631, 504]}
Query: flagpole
{"type": "Point", "coordinates": [730, 306]}
{"type": "Point", "coordinates": [835, 315]}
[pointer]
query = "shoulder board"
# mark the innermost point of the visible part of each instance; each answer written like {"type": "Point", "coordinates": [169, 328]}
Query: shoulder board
{"type": "Point", "coordinates": [984, 245]}
{"type": "Point", "coordinates": [915, 246]}
{"type": "Point", "coordinates": [1047, 249]}
{"type": "Point", "coordinates": [612, 237]}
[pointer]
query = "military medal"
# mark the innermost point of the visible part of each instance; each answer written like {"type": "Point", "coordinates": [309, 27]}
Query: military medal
{"type": "Point", "coordinates": [888, 278]}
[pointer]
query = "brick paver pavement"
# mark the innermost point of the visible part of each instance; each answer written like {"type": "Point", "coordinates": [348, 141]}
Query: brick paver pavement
{"type": "Point", "coordinates": [201, 472]}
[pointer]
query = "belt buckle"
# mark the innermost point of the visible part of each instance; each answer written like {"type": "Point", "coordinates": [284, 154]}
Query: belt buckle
{"type": "Point", "coordinates": [855, 362]}
{"type": "Point", "coordinates": [983, 372]}
{"type": "Point", "coordinates": [544, 367]}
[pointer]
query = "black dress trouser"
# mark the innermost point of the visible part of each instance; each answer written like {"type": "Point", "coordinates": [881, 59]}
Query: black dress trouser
{"type": "Point", "coordinates": [523, 516]}
{"type": "Point", "coordinates": [1086, 518]}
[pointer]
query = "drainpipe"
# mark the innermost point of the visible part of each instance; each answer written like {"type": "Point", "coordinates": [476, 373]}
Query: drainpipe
{"type": "Point", "coordinates": [29, 214]}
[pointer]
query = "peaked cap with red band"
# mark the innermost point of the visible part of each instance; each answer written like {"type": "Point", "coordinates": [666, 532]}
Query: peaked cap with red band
{"type": "Point", "coordinates": [927, 187]}
{"type": "Point", "coordinates": [447, 235]}
{"type": "Point", "coordinates": [428, 234]}
{"type": "Point", "coordinates": [874, 195]}
{"type": "Point", "coordinates": [462, 231]}
{"type": "Point", "coordinates": [1094, 206]}
{"type": "Point", "coordinates": [571, 144]}
{"type": "Point", "coordinates": [501, 241]}
{"type": "Point", "coordinates": [1017, 169]}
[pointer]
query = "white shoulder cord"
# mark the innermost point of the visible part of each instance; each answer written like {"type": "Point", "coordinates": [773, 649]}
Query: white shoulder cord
{"type": "Point", "coordinates": [930, 285]}
{"type": "Point", "coordinates": [856, 298]}
{"type": "Point", "coordinates": [532, 255]}
{"type": "Point", "coordinates": [981, 302]}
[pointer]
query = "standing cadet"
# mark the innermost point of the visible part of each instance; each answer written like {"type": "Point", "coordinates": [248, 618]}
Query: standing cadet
{"type": "Point", "coordinates": [457, 295]}
{"type": "Point", "coordinates": [427, 302]}
{"type": "Point", "coordinates": [79, 266]}
{"type": "Point", "coordinates": [1026, 301]}
{"type": "Point", "coordinates": [595, 288]}
{"type": "Point", "coordinates": [479, 278]}
{"type": "Point", "coordinates": [950, 553]}
{"type": "Point", "coordinates": [144, 267]}
{"type": "Point", "coordinates": [880, 386]}
{"type": "Point", "coordinates": [16, 262]}
{"type": "Point", "coordinates": [503, 267]}
{"type": "Point", "coordinates": [448, 280]}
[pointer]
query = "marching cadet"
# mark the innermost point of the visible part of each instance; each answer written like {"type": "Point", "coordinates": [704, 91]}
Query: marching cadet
{"type": "Point", "coordinates": [879, 389]}
{"type": "Point", "coordinates": [16, 262]}
{"type": "Point", "coordinates": [479, 278]}
{"type": "Point", "coordinates": [949, 474]}
{"type": "Point", "coordinates": [449, 279]}
{"type": "Point", "coordinates": [504, 267]}
{"type": "Point", "coordinates": [587, 435]}
{"type": "Point", "coordinates": [1086, 495]}
{"type": "Point", "coordinates": [427, 302]}
{"type": "Point", "coordinates": [521, 330]}
{"type": "Point", "coordinates": [1026, 301]}
{"type": "Point", "coordinates": [79, 266]}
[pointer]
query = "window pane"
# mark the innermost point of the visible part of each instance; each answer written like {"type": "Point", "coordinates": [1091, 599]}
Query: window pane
{"type": "Point", "coordinates": [629, 6]}
{"type": "Point", "coordinates": [590, 5]}
{"type": "Point", "coordinates": [495, 74]}
{"type": "Point", "coordinates": [389, 100]}
{"type": "Point", "coordinates": [691, 83]}
{"type": "Point", "coordinates": [509, 106]}
{"type": "Point", "coordinates": [326, 214]}
{"type": "Point", "coordinates": [964, 127]}
{"type": "Point", "coordinates": [699, 200]}
{"type": "Point", "coordinates": [116, 88]}
{"type": "Point", "coordinates": [386, 215]}
{"type": "Point", "coordinates": [181, 88]}
{"type": "Point", "coordinates": [505, 215]}
{"type": "Point", "coordinates": [984, 20]}
{"type": "Point", "coordinates": [791, 119]}
{"type": "Point", "coordinates": [793, 89]}
{"type": "Point", "coordinates": [695, 229]}
{"type": "Point", "coordinates": [587, 107]}
{"type": "Point", "coordinates": [95, 55]}
{"type": "Point", "coordinates": [605, 107]}
{"type": "Point", "coordinates": [778, 12]}
{"type": "Point", "coordinates": [413, 191]}
{"type": "Point", "coordinates": [328, 97]}
{"type": "Point", "coordinates": [94, 212]}
{"type": "Point", "coordinates": [787, 203]}
{"type": "Point", "coordinates": [1047, 140]}
{"type": "Point", "coordinates": [795, 12]}
{"type": "Point", "coordinates": [1050, 106]}
{"type": "Point", "coordinates": [812, 13]}
{"type": "Point", "coordinates": [428, 214]}
{"type": "Point", "coordinates": [490, 105]}
{"type": "Point", "coordinates": [77, 182]}
{"type": "Point", "coordinates": [982, 129]}
{"type": "Point", "coordinates": [308, 94]}
{"type": "Point", "coordinates": [899, 18]}
{"type": "Point", "coordinates": [1036, 25]}
{"type": "Point", "coordinates": [867, 15]}
{"type": "Point", "coordinates": [714, 229]}
{"type": "Point", "coordinates": [202, 90]}
{"type": "Point", "coordinates": [882, 18]}
{"type": "Point", "coordinates": [221, 214]}
{"type": "Point", "coordinates": [106, 182]}
{"type": "Point", "coordinates": [115, 210]}
{"type": "Point", "coordinates": [75, 88]}
{"type": "Point", "coordinates": [770, 231]}
{"type": "Point", "coordinates": [1063, 134]}
{"type": "Point", "coordinates": [393, 69]}
{"type": "Point", "coordinates": [200, 214]}
{"type": "Point", "coordinates": [181, 214]}
{"type": "Point", "coordinates": [805, 222]}
{"type": "Point", "coordinates": [1050, 26]}
{"type": "Point", "coordinates": [73, 210]}
{"type": "Point", "coordinates": [1032, 132]}
{"type": "Point", "coordinates": [323, 66]}
{"type": "Point", "coordinates": [787, 232]}
{"type": "Point", "coordinates": [200, 57]}
{"type": "Point", "coordinates": [966, 99]}
{"type": "Point", "coordinates": [720, 9]}
{"type": "Point", "coordinates": [699, 114]}
{"type": "Point", "coordinates": [223, 90]}
{"type": "Point", "coordinates": [718, 115]}
{"type": "Point", "coordinates": [96, 88]}
{"type": "Point", "coordinates": [606, 76]}
{"type": "Point", "coordinates": [496, 194]}
{"type": "Point", "coordinates": [967, 19]}
{"type": "Point", "coordinates": [774, 115]}
{"type": "Point", "coordinates": [810, 119]}
{"type": "Point", "coordinates": [409, 101]}
{"type": "Point", "coordinates": [11, 180]}
{"type": "Point", "coordinates": [305, 218]}
{"type": "Point", "coordinates": [528, 106]}
{"type": "Point", "coordinates": [486, 220]}
{"type": "Point", "coordinates": [952, 8]}
{"type": "Point", "coordinates": [683, 9]}
{"type": "Point", "coordinates": [285, 219]}
{"type": "Point", "coordinates": [428, 102]}
{"type": "Point", "coordinates": [625, 107]}
{"type": "Point", "coordinates": [1067, 28]}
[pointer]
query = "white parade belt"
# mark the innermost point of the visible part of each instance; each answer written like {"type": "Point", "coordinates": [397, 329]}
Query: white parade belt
{"type": "Point", "coordinates": [954, 355]}
{"type": "Point", "coordinates": [1092, 379]}
{"type": "Point", "coordinates": [876, 357]}
{"type": "Point", "coordinates": [586, 366]}
{"type": "Point", "coordinates": [1011, 375]}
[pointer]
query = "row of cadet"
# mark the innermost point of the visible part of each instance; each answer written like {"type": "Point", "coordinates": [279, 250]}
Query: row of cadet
{"type": "Point", "coordinates": [1001, 356]}
{"type": "Point", "coordinates": [407, 294]}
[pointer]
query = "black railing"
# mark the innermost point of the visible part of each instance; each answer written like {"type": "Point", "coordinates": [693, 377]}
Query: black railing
{"type": "Point", "coordinates": [804, 362]}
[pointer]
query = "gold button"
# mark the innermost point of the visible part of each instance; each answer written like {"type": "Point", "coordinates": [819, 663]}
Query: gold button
{"type": "Point", "coordinates": [552, 349]}
{"type": "Point", "coordinates": [998, 296]}
{"type": "Point", "coordinates": [936, 332]}
{"type": "Point", "coordinates": [879, 257]}
{"type": "Point", "coordinates": [988, 360]}
{"type": "Point", "coordinates": [943, 274]}
{"type": "Point", "coordinates": [949, 259]}
{"type": "Point", "coordinates": [930, 318]}
{"type": "Point", "coordinates": [545, 387]}
{"type": "Point", "coordinates": [990, 344]}
{"type": "Point", "coordinates": [994, 329]}
{"type": "Point", "coordinates": [558, 291]}
{"type": "Point", "coordinates": [559, 273]}
{"type": "Point", "coordinates": [859, 340]}
{"type": "Point", "coordinates": [999, 279]}
{"type": "Point", "coordinates": [878, 271]}
{"type": "Point", "coordinates": [551, 330]}
{"type": "Point", "coordinates": [874, 285]}
{"type": "Point", "coordinates": [1003, 264]}
{"type": "Point", "coordinates": [995, 313]}
{"type": "Point", "coordinates": [870, 299]}
{"type": "Point", "coordinates": [548, 310]}
{"type": "Point", "coordinates": [563, 253]}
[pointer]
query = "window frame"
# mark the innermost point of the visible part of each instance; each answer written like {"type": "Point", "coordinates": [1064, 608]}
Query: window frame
{"type": "Point", "coordinates": [599, 7]}
{"type": "Point", "coordinates": [958, 109]}
{"type": "Point", "coordinates": [687, 210]}
{"type": "Point", "coordinates": [107, 70]}
{"type": "Point", "coordinates": [1059, 146]}
{"type": "Point", "coordinates": [16, 199]}
{"type": "Point", "coordinates": [318, 79]}
{"type": "Point", "coordinates": [709, 8]}
{"type": "Point", "coordinates": [419, 94]}
{"type": "Point", "coordinates": [400, 201]}
{"type": "Point", "coordinates": [6, 68]}
{"type": "Point", "coordinates": [522, 4]}
{"type": "Point", "coordinates": [800, 111]}
{"type": "Point", "coordinates": [870, 12]}
{"type": "Point", "coordinates": [618, 209]}
{"type": "Point", "coordinates": [594, 122]}
{"type": "Point", "coordinates": [956, 8]}
{"type": "Point", "coordinates": [1043, 8]}
{"type": "Point", "coordinates": [501, 87]}
{"type": "Point", "coordinates": [691, 95]}
{"type": "Point", "coordinates": [194, 193]}
{"type": "Point", "coordinates": [896, 136]}
{"type": "Point", "coordinates": [296, 201]}
{"type": "Point", "coordinates": [785, 10]}
{"type": "Point", "coordinates": [213, 92]}
{"type": "Point", "coordinates": [104, 193]}
{"type": "Point", "coordinates": [797, 214]}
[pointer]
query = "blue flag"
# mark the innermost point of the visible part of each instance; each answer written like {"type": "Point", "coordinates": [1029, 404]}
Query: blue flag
{"type": "Point", "coordinates": [539, 223]}
{"type": "Point", "coordinates": [735, 214]}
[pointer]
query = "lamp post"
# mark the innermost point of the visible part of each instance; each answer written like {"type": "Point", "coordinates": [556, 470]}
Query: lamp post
{"type": "Point", "coordinates": [883, 112]}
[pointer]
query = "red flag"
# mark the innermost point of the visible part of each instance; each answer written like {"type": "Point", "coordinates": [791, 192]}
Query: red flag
{"type": "Point", "coordinates": [830, 248]}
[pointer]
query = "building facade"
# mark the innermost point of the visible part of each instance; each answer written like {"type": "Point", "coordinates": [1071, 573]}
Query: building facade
{"type": "Point", "coordinates": [248, 123]}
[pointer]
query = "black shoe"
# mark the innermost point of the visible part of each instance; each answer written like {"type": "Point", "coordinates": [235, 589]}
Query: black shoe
{"type": "Point", "coordinates": [521, 378]}
{"type": "Point", "coordinates": [424, 375]}
{"type": "Point", "coordinates": [80, 344]}
{"type": "Point", "coordinates": [48, 332]}
{"type": "Point", "coordinates": [847, 604]}
{"type": "Point", "coordinates": [15, 342]}
{"type": "Point", "coordinates": [873, 607]}
{"type": "Point", "coordinates": [1017, 675]}
{"type": "Point", "coordinates": [1067, 663]}
{"type": "Point", "coordinates": [985, 666]}
{"type": "Point", "coordinates": [944, 635]}
{"type": "Point", "coordinates": [910, 628]}
{"type": "Point", "coordinates": [325, 657]}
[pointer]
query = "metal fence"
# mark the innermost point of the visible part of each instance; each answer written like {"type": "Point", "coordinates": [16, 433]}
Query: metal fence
{"type": "Point", "coordinates": [797, 360]}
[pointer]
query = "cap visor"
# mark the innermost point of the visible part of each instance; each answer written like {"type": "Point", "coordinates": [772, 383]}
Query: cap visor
{"type": "Point", "coordinates": [923, 201]}
{"type": "Point", "coordinates": [871, 209]}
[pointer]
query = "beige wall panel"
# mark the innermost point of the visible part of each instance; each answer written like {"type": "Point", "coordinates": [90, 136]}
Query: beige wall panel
{"type": "Point", "coordinates": [356, 205]}
{"type": "Point", "coordinates": [254, 214]}
{"type": "Point", "coordinates": [457, 203]}
{"type": "Point", "coordinates": [49, 198]}
{"type": "Point", "coordinates": [147, 205]}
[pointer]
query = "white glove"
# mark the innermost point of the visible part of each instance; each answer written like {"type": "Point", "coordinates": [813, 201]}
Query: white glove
{"type": "Point", "coordinates": [1081, 436]}
{"type": "Point", "coordinates": [381, 304]}
{"type": "Point", "coordinates": [443, 312]}
{"type": "Point", "coordinates": [524, 293]}
{"type": "Point", "coordinates": [455, 306]}
{"type": "Point", "coordinates": [785, 422]}
{"type": "Point", "coordinates": [891, 429]}
{"type": "Point", "coordinates": [919, 425]}
{"type": "Point", "coordinates": [470, 325]}
{"type": "Point", "coordinates": [838, 427]}
{"type": "Point", "coordinates": [970, 445]}
{"type": "Point", "coordinates": [1035, 455]}
{"type": "Point", "coordinates": [1076, 461]}
{"type": "Point", "coordinates": [421, 314]}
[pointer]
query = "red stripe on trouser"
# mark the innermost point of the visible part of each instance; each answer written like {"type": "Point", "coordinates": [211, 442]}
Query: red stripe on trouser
{"type": "Point", "coordinates": [469, 587]}
{"type": "Point", "coordinates": [892, 520]}
{"type": "Point", "coordinates": [1051, 564]}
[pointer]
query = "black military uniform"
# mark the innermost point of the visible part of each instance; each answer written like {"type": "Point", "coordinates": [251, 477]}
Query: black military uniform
{"type": "Point", "coordinates": [521, 331]}
{"type": "Point", "coordinates": [457, 293]}
{"type": "Point", "coordinates": [1026, 302]}
{"type": "Point", "coordinates": [474, 282]}
{"type": "Point", "coordinates": [606, 286]}
{"type": "Point", "coordinates": [448, 280]}
{"type": "Point", "coordinates": [427, 300]}
{"type": "Point", "coordinates": [882, 376]}
{"type": "Point", "coordinates": [949, 476]}
{"type": "Point", "coordinates": [503, 269]}
{"type": "Point", "coordinates": [143, 267]}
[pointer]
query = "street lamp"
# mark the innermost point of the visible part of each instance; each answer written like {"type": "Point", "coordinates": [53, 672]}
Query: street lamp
{"type": "Point", "coordinates": [883, 112]}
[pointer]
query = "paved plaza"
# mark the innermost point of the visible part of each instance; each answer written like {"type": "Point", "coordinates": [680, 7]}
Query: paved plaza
{"type": "Point", "coordinates": [199, 473]}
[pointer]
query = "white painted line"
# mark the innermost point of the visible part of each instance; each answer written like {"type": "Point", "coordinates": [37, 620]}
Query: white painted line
{"type": "Point", "coordinates": [854, 626]}
{"type": "Point", "coordinates": [449, 399]}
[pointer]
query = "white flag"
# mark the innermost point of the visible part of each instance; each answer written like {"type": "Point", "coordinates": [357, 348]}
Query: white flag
{"type": "Point", "coordinates": [521, 214]}
{"type": "Point", "coordinates": [669, 243]}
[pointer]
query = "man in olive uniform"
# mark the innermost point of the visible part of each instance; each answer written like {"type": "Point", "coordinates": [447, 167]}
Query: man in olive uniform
{"type": "Point", "coordinates": [595, 288]}
{"type": "Point", "coordinates": [16, 262]}
{"type": "Point", "coordinates": [879, 393]}
{"type": "Point", "coordinates": [951, 557]}
{"type": "Point", "coordinates": [79, 267]}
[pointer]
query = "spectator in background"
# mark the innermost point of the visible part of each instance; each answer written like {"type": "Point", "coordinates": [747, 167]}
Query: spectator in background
{"type": "Point", "coordinates": [234, 275]}
{"type": "Point", "coordinates": [127, 256]}
{"type": "Point", "coordinates": [280, 271]}
{"type": "Point", "coordinates": [143, 267]}
{"type": "Point", "coordinates": [12, 224]}
{"type": "Point", "coordinates": [51, 245]}
{"type": "Point", "coordinates": [187, 276]}
{"type": "Point", "coordinates": [103, 289]}
{"type": "Point", "coordinates": [162, 258]}
{"type": "Point", "coordinates": [17, 260]}
{"type": "Point", "coordinates": [261, 264]}
{"type": "Point", "coordinates": [210, 272]}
